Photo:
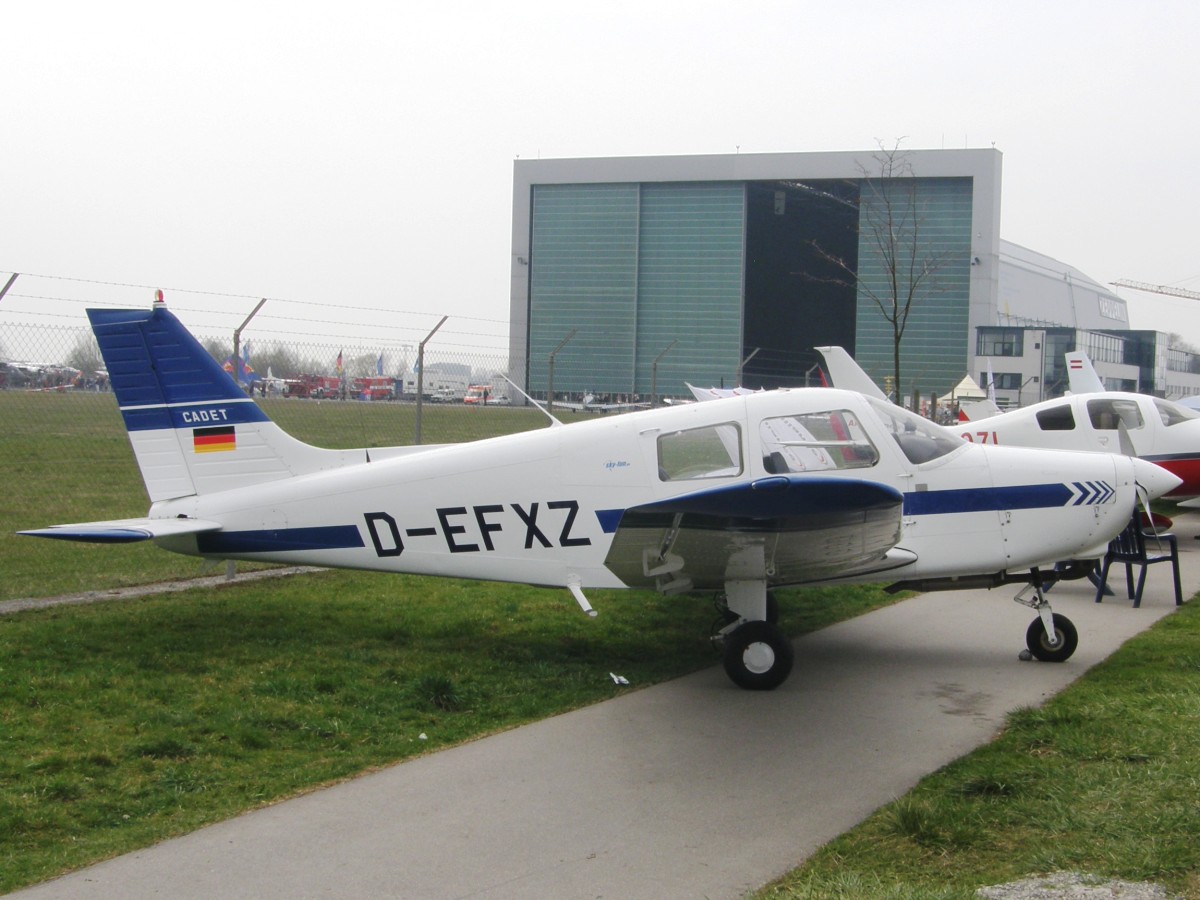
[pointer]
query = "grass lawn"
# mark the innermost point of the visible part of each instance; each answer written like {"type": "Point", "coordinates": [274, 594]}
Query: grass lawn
{"type": "Point", "coordinates": [66, 458]}
{"type": "Point", "coordinates": [127, 722]}
{"type": "Point", "coordinates": [1104, 779]}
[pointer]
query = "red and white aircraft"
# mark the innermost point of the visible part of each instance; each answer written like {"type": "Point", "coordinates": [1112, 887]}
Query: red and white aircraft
{"type": "Point", "coordinates": [1090, 418]}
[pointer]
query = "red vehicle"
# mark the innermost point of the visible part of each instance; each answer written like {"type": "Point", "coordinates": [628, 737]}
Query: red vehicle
{"type": "Point", "coordinates": [317, 387]}
{"type": "Point", "coordinates": [375, 388]}
{"type": "Point", "coordinates": [478, 394]}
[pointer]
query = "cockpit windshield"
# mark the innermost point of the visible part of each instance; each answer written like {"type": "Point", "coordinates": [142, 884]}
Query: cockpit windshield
{"type": "Point", "coordinates": [919, 439]}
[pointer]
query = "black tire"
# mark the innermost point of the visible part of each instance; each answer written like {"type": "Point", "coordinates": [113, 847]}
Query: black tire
{"type": "Point", "coordinates": [758, 656]}
{"type": "Point", "coordinates": [1039, 646]}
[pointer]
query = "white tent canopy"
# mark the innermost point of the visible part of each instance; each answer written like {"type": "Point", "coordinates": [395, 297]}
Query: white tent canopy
{"type": "Point", "coordinates": [966, 389]}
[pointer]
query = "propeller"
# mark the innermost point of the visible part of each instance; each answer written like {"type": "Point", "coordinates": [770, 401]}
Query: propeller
{"type": "Point", "coordinates": [1126, 444]}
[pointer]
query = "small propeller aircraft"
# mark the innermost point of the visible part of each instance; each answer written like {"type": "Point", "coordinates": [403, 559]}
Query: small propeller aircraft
{"type": "Point", "coordinates": [735, 496]}
{"type": "Point", "coordinates": [1090, 418]}
{"type": "Point", "coordinates": [1159, 431]}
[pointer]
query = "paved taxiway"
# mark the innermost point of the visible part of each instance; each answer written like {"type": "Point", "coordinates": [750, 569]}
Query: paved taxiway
{"type": "Point", "coordinates": [691, 788]}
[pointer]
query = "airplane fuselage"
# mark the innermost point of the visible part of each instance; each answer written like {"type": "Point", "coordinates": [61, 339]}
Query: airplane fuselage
{"type": "Point", "coordinates": [545, 507]}
{"type": "Point", "coordinates": [1161, 432]}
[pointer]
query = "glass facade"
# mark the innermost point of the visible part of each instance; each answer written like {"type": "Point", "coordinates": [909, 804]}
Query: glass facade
{"type": "Point", "coordinates": [661, 283]}
{"type": "Point", "coordinates": [931, 218]}
{"type": "Point", "coordinates": [632, 268]}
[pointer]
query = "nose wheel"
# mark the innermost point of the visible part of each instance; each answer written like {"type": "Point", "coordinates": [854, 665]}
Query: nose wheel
{"type": "Point", "coordinates": [1056, 649]}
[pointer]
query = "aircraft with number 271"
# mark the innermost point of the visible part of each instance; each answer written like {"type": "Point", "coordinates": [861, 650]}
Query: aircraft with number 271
{"type": "Point", "coordinates": [1089, 418]}
{"type": "Point", "coordinates": [734, 496]}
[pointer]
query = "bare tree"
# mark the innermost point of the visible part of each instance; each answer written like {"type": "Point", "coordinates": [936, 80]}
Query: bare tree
{"type": "Point", "coordinates": [895, 267]}
{"type": "Point", "coordinates": [85, 355]}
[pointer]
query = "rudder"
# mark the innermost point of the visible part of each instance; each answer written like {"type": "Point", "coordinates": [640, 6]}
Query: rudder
{"type": "Point", "coordinates": [193, 430]}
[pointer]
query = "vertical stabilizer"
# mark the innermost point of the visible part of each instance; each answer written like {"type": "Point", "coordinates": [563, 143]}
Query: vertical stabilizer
{"type": "Point", "coordinates": [193, 430]}
{"type": "Point", "coordinates": [1082, 375]}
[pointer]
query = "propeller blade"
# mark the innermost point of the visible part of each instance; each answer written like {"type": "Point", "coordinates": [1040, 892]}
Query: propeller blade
{"type": "Point", "coordinates": [1124, 440]}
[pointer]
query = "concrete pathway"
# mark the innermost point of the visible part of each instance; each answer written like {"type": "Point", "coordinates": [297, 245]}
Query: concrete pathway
{"type": "Point", "coordinates": [688, 789]}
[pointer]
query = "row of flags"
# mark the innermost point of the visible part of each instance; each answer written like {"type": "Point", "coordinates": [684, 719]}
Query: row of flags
{"type": "Point", "coordinates": [247, 375]}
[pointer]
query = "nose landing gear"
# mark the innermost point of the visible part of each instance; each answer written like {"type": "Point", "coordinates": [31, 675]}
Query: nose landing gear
{"type": "Point", "coordinates": [1051, 637]}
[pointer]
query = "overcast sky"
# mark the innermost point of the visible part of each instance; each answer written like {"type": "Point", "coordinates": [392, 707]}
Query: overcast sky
{"type": "Point", "coordinates": [361, 153]}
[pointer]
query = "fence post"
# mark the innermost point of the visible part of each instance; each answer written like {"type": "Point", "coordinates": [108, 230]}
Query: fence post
{"type": "Point", "coordinates": [237, 337]}
{"type": "Point", "coordinates": [421, 373]}
{"type": "Point", "coordinates": [654, 374]}
{"type": "Point", "coordinates": [4, 290]}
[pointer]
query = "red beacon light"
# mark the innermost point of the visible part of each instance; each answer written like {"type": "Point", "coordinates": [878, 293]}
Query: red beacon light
{"type": "Point", "coordinates": [158, 298]}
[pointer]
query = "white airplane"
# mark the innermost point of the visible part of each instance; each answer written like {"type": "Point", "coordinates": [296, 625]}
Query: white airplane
{"type": "Point", "coordinates": [1091, 418]}
{"type": "Point", "coordinates": [736, 496]}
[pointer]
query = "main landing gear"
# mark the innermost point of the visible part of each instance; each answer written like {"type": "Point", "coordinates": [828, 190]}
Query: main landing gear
{"type": "Point", "coordinates": [757, 654]}
{"type": "Point", "coordinates": [1051, 637]}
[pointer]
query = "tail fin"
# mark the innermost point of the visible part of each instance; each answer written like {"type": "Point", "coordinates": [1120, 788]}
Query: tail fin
{"type": "Point", "coordinates": [1081, 374]}
{"type": "Point", "coordinates": [845, 373]}
{"type": "Point", "coordinates": [193, 430]}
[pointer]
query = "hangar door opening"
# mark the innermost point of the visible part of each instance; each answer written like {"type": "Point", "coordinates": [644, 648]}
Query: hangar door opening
{"type": "Point", "coordinates": [795, 297]}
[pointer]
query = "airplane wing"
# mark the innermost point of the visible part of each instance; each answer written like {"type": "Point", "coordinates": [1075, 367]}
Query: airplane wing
{"type": "Point", "coordinates": [703, 394]}
{"type": "Point", "coordinates": [810, 529]}
{"type": "Point", "coordinates": [124, 531]}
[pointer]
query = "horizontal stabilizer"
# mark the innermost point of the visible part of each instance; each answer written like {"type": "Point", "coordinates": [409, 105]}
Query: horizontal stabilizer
{"type": "Point", "coordinates": [123, 531]}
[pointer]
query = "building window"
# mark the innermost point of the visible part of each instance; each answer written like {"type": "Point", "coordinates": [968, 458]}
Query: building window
{"type": "Point", "coordinates": [1001, 342]}
{"type": "Point", "coordinates": [1004, 381]}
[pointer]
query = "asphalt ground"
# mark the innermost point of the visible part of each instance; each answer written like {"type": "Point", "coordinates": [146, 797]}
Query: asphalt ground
{"type": "Point", "coordinates": [686, 789]}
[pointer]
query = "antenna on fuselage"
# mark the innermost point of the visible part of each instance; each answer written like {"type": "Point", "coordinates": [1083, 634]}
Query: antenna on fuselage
{"type": "Point", "coordinates": [549, 415]}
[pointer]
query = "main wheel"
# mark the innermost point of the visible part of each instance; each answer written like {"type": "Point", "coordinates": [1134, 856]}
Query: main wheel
{"type": "Point", "coordinates": [758, 656]}
{"type": "Point", "coordinates": [1067, 639]}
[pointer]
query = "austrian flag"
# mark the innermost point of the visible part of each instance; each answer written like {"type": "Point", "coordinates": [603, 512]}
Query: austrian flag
{"type": "Point", "coordinates": [213, 440]}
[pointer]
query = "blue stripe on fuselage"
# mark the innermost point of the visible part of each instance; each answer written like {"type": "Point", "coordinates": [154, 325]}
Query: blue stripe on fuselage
{"type": "Point", "coordinates": [1024, 496]}
{"type": "Point", "coordinates": [275, 540]}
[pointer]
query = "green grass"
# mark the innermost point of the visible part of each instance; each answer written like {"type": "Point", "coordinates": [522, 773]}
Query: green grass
{"type": "Point", "coordinates": [1104, 779]}
{"type": "Point", "coordinates": [66, 458]}
{"type": "Point", "coordinates": [124, 723]}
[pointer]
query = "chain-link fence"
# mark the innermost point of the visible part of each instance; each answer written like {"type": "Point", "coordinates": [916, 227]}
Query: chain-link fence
{"type": "Point", "coordinates": [333, 376]}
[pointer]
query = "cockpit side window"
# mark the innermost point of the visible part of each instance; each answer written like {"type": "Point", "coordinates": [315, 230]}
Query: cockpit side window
{"type": "Point", "coordinates": [1107, 413]}
{"type": "Point", "coordinates": [1057, 418]}
{"type": "Point", "coordinates": [713, 451]}
{"type": "Point", "coordinates": [815, 442]}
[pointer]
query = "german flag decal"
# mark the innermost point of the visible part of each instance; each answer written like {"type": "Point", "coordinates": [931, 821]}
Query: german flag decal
{"type": "Point", "coordinates": [213, 440]}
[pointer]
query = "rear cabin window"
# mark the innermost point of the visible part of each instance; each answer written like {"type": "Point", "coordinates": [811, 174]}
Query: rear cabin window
{"type": "Point", "coordinates": [1107, 414]}
{"type": "Point", "coordinates": [1057, 418]}
{"type": "Point", "coordinates": [814, 442]}
{"type": "Point", "coordinates": [714, 451]}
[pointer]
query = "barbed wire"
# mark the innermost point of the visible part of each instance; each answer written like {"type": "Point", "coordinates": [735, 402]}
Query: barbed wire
{"type": "Point", "coordinates": [323, 304]}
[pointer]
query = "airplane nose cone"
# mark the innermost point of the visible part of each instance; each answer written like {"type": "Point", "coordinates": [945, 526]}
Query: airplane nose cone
{"type": "Point", "coordinates": [1154, 479]}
